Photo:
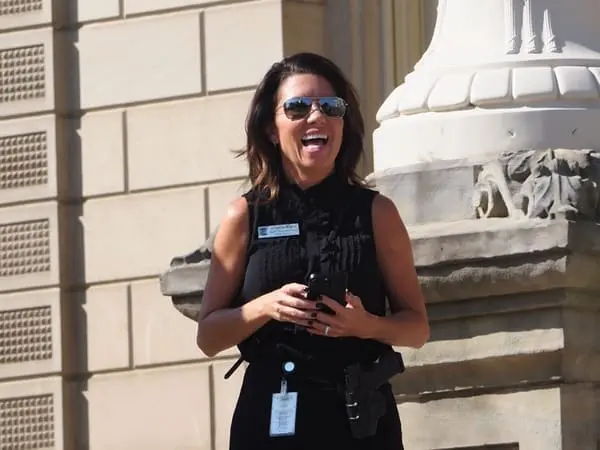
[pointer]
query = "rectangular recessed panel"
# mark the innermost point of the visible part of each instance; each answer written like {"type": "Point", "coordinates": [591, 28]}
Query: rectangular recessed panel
{"type": "Point", "coordinates": [23, 160]}
{"type": "Point", "coordinates": [24, 248]}
{"type": "Point", "coordinates": [22, 73]}
{"type": "Point", "coordinates": [27, 422]}
{"type": "Point", "coordinates": [25, 335]}
{"type": "Point", "coordinates": [14, 7]}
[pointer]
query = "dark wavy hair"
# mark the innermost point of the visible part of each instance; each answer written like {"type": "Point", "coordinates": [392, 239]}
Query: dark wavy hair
{"type": "Point", "coordinates": [264, 157]}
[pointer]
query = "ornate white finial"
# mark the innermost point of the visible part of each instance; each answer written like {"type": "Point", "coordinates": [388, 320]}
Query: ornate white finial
{"type": "Point", "coordinates": [499, 76]}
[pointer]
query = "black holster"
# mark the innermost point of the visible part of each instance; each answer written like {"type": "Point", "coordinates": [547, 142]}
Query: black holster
{"type": "Point", "coordinates": [365, 405]}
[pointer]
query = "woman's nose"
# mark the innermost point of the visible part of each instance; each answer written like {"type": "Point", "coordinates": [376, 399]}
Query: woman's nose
{"type": "Point", "coordinates": [315, 114]}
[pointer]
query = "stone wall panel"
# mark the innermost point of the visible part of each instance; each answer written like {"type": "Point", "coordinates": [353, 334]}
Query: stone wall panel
{"type": "Point", "coordinates": [25, 13]}
{"type": "Point", "coordinates": [30, 336]}
{"type": "Point", "coordinates": [31, 414]}
{"type": "Point", "coordinates": [186, 142]}
{"type": "Point", "coordinates": [164, 409]}
{"type": "Point", "coordinates": [145, 6]}
{"type": "Point", "coordinates": [137, 235]}
{"type": "Point", "coordinates": [28, 160]}
{"type": "Point", "coordinates": [29, 247]}
{"type": "Point", "coordinates": [104, 325]}
{"type": "Point", "coordinates": [160, 334]}
{"type": "Point", "coordinates": [26, 72]}
{"type": "Point", "coordinates": [234, 57]}
{"type": "Point", "coordinates": [101, 141]}
{"type": "Point", "coordinates": [139, 60]}
{"type": "Point", "coordinates": [87, 10]}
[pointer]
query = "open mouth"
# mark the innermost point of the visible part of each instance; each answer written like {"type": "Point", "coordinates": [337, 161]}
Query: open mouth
{"type": "Point", "coordinates": [315, 140]}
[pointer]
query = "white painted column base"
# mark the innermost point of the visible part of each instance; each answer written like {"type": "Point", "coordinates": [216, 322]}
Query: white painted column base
{"type": "Point", "coordinates": [499, 75]}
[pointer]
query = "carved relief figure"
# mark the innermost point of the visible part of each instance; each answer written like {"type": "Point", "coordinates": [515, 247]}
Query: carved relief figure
{"type": "Point", "coordinates": [529, 27]}
{"type": "Point", "coordinates": [541, 184]}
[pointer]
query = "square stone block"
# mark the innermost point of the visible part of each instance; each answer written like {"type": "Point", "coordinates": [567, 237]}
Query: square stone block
{"type": "Point", "coordinates": [27, 72]}
{"type": "Point", "coordinates": [86, 10]}
{"type": "Point", "coordinates": [25, 13]}
{"type": "Point", "coordinates": [142, 6]}
{"type": "Point", "coordinates": [100, 141]}
{"type": "Point", "coordinates": [532, 420]}
{"type": "Point", "coordinates": [28, 160]}
{"type": "Point", "coordinates": [31, 414]}
{"type": "Point", "coordinates": [220, 195]}
{"type": "Point", "coordinates": [304, 26]}
{"type": "Point", "coordinates": [151, 409]}
{"type": "Point", "coordinates": [139, 60]}
{"type": "Point", "coordinates": [30, 336]}
{"type": "Point", "coordinates": [563, 417]}
{"type": "Point", "coordinates": [137, 235]}
{"type": "Point", "coordinates": [29, 246]}
{"type": "Point", "coordinates": [104, 324]}
{"type": "Point", "coordinates": [186, 142]}
{"type": "Point", "coordinates": [226, 393]}
{"type": "Point", "coordinates": [444, 189]}
{"type": "Point", "coordinates": [234, 57]}
{"type": "Point", "coordinates": [160, 333]}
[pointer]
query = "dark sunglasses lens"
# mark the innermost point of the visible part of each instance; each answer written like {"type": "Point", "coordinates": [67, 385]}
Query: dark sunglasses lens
{"type": "Point", "coordinates": [333, 107]}
{"type": "Point", "coordinates": [296, 108]}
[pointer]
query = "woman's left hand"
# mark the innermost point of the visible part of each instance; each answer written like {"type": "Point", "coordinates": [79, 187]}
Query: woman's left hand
{"type": "Point", "coordinates": [349, 320]}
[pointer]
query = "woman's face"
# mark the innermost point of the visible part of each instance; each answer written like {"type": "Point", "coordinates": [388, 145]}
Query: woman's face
{"type": "Point", "coordinates": [309, 143]}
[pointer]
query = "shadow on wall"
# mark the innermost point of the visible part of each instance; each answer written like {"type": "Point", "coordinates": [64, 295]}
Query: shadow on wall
{"type": "Point", "coordinates": [71, 240]}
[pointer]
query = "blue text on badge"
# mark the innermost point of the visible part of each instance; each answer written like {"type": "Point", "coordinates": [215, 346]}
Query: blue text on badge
{"type": "Point", "coordinates": [274, 231]}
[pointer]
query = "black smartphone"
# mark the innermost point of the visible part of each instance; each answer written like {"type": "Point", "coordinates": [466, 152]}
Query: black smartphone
{"type": "Point", "coordinates": [332, 285]}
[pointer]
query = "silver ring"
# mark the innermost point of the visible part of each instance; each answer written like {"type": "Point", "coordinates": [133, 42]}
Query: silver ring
{"type": "Point", "coordinates": [326, 331]}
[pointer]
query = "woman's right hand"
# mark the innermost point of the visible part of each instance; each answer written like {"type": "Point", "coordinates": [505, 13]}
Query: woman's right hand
{"type": "Point", "coordinates": [289, 304]}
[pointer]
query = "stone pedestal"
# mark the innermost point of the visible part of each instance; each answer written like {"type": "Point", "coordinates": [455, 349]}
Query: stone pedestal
{"type": "Point", "coordinates": [514, 358]}
{"type": "Point", "coordinates": [488, 150]}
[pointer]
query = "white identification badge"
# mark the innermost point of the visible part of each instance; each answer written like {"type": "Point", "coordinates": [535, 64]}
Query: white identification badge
{"type": "Point", "coordinates": [283, 412]}
{"type": "Point", "coordinates": [274, 231]}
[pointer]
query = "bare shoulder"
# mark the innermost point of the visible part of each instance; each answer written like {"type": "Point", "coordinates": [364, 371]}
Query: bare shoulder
{"type": "Point", "coordinates": [237, 212]}
{"type": "Point", "coordinates": [386, 217]}
{"type": "Point", "coordinates": [235, 220]}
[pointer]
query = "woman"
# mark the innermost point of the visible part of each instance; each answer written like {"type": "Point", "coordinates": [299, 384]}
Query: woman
{"type": "Point", "coordinates": [308, 212]}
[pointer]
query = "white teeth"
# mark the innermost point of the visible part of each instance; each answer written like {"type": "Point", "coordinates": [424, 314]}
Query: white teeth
{"type": "Point", "coordinates": [315, 136]}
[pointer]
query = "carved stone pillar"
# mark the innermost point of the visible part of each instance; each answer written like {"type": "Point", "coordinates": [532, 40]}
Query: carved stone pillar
{"type": "Point", "coordinates": [490, 151]}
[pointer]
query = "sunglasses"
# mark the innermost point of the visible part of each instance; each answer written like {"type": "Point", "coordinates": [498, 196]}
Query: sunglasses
{"type": "Point", "coordinates": [297, 108]}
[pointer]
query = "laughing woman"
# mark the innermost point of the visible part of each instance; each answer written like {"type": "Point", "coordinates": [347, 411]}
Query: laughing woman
{"type": "Point", "coordinates": [301, 268]}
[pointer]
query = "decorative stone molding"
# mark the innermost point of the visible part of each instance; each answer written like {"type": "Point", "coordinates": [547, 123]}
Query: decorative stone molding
{"type": "Point", "coordinates": [492, 87]}
{"type": "Point", "coordinates": [559, 183]}
{"type": "Point", "coordinates": [528, 25]}
{"type": "Point", "coordinates": [186, 277]}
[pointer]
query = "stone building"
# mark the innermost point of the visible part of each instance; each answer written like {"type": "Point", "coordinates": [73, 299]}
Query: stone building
{"type": "Point", "coordinates": [117, 122]}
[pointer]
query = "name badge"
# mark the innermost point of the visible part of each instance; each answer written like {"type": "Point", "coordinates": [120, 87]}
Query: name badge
{"type": "Point", "coordinates": [283, 412]}
{"type": "Point", "coordinates": [274, 231]}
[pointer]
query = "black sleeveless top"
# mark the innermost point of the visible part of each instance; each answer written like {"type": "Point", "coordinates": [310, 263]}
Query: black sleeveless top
{"type": "Point", "coordinates": [335, 234]}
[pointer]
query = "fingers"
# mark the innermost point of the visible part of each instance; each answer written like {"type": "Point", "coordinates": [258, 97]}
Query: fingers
{"type": "Point", "coordinates": [353, 300]}
{"type": "Point", "coordinates": [295, 289]}
{"type": "Point", "coordinates": [332, 304]}
{"type": "Point", "coordinates": [293, 309]}
{"type": "Point", "coordinates": [289, 314]}
{"type": "Point", "coordinates": [322, 329]}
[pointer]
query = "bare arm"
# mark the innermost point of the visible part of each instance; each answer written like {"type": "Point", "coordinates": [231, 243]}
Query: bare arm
{"type": "Point", "coordinates": [408, 326]}
{"type": "Point", "coordinates": [220, 326]}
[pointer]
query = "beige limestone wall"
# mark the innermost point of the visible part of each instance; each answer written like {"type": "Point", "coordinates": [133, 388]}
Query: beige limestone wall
{"type": "Point", "coordinates": [117, 124]}
{"type": "Point", "coordinates": [31, 386]}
